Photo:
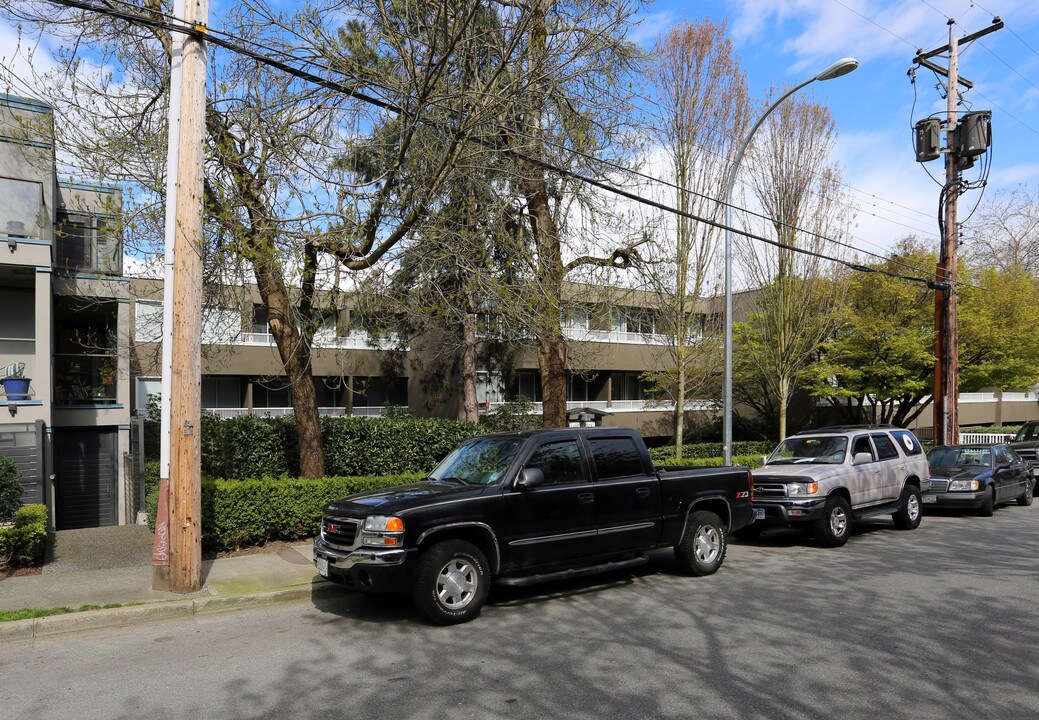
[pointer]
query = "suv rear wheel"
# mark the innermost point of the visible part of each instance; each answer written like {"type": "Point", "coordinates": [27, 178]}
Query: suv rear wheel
{"type": "Point", "coordinates": [834, 526]}
{"type": "Point", "coordinates": [909, 512]}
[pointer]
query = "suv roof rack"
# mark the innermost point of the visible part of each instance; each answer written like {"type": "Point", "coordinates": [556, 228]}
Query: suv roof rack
{"type": "Point", "coordinates": [847, 428]}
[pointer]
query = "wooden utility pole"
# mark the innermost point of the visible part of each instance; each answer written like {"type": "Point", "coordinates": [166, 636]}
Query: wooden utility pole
{"type": "Point", "coordinates": [946, 320]}
{"type": "Point", "coordinates": [183, 300]}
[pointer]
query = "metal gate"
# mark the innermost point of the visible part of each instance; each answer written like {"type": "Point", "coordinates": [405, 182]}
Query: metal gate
{"type": "Point", "coordinates": [23, 443]}
{"type": "Point", "coordinates": [85, 475]}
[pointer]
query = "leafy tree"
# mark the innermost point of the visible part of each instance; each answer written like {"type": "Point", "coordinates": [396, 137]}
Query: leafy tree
{"type": "Point", "coordinates": [702, 104]}
{"type": "Point", "coordinates": [882, 349]}
{"type": "Point", "coordinates": [799, 193]}
{"type": "Point", "coordinates": [279, 198]}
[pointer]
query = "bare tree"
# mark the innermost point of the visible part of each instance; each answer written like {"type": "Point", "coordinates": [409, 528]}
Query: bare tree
{"type": "Point", "coordinates": [1005, 232]}
{"type": "Point", "coordinates": [702, 100]}
{"type": "Point", "coordinates": [797, 292]}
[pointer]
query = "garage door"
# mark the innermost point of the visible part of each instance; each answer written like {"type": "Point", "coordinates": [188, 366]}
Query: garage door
{"type": "Point", "coordinates": [85, 472]}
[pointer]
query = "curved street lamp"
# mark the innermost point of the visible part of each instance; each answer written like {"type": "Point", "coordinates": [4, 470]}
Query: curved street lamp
{"type": "Point", "coordinates": [837, 69]}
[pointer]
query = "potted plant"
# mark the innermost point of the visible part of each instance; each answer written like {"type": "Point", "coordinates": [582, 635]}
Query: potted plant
{"type": "Point", "coordinates": [16, 385]}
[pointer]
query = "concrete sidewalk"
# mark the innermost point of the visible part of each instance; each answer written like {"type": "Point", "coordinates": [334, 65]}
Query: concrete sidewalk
{"type": "Point", "coordinates": [255, 579]}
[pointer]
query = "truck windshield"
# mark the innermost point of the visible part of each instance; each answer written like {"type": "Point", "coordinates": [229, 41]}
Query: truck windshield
{"type": "Point", "coordinates": [821, 450]}
{"type": "Point", "coordinates": [482, 461]}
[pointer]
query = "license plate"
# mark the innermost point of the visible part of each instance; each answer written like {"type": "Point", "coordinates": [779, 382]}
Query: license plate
{"type": "Point", "coordinates": [322, 566]}
{"type": "Point", "coordinates": [759, 513]}
{"type": "Point", "coordinates": [930, 498]}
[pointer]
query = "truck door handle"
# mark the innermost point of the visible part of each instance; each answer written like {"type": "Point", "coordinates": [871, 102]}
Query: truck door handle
{"type": "Point", "coordinates": [586, 498]}
{"type": "Point", "coordinates": [642, 493]}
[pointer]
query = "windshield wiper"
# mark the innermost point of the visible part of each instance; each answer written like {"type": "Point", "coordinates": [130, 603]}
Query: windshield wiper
{"type": "Point", "coordinates": [460, 481]}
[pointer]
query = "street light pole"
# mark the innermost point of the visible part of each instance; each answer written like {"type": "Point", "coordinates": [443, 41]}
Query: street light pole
{"type": "Point", "coordinates": [841, 67]}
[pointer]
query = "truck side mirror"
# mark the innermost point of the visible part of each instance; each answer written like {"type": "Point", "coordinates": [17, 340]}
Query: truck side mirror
{"type": "Point", "coordinates": [861, 458]}
{"type": "Point", "coordinates": [530, 478]}
{"type": "Point", "coordinates": [764, 459]}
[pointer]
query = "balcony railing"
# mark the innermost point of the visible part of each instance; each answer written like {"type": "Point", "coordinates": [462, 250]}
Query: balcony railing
{"type": "Point", "coordinates": [618, 406]}
{"type": "Point", "coordinates": [616, 337]}
{"type": "Point", "coordinates": [324, 340]}
{"type": "Point", "coordinates": [357, 411]}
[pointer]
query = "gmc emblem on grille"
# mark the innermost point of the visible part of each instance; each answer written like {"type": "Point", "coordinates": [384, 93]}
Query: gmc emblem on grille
{"type": "Point", "coordinates": [332, 528]}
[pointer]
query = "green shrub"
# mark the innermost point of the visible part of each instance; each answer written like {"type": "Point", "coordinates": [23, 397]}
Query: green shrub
{"type": "Point", "coordinates": [384, 446]}
{"type": "Point", "coordinates": [251, 512]}
{"type": "Point", "coordinates": [25, 541]}
{"type": "Point", "coordinates": [751, 461]}
{"type": "Point", "coordinates": [713, 450]}
{"type": "Point", "coordinates": [10, 489]}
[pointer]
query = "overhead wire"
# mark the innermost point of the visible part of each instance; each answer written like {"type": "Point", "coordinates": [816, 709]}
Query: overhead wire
{"type": "Point", "coordinates": [205, 33]}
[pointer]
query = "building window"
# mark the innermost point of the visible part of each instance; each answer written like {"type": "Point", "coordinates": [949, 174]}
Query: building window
{"type": "Point", "coordinates": [379, 391]}
{"type": "Point", "coordinates": [259, 320]}
{"type": "Point", "coordinates": [148, 321]}
{"type": "Point", "coordinates": [220, 325]}
{"type": "Point", "coordinates": [87, 243]}
{"type": "Point", "coordinates": [575, 318]}
{"type": "Point", "coordinates": [628, 386]}
{"type": "Point", "coordinates": [489, 387]}
{"type": "Point", "coordinates": [21, 203]}
{"type": "Point", "coordinates": [221, 392]}
{"type": "Point", "coordinates": [528, 385]}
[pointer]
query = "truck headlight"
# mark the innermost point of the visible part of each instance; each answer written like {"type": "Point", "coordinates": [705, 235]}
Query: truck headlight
{"type": "Point", "coordinates": [382, 530]}
{"type": "Point", "coordinates": [963, 485]}
{"type": "Point", "coordinates": [800, 488]}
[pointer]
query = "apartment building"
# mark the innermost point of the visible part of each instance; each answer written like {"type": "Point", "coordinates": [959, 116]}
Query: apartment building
{"type": "Point", "coordinates": [612, 344]}
{"type": "Point", "coordinates": [64, 326]}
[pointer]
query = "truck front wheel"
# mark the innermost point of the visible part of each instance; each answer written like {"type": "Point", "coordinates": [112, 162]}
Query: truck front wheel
{"type": "Point", "coordinates": [451, 582]}
{"type": "Point", "coordinates": [702, 547]}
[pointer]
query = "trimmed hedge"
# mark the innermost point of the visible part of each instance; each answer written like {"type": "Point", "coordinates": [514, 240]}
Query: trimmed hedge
{"type": "Point", "coordinates": [250, 446]}
{"type": "Point", "coordinates": [25, 541]}
{"type": "Point", "coordinates": [251, 512]}
{"type": "Point", "coordinates": [752, 461]}
{"type": "Point", "coordinates": [703, 451]}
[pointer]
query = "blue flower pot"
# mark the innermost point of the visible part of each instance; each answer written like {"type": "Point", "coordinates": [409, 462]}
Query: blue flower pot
{"type": "Point", "coordinates": [16, 388]}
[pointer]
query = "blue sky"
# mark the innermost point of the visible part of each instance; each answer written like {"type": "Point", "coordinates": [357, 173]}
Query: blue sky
{"type": "Point", "coordinates": [786, 41]}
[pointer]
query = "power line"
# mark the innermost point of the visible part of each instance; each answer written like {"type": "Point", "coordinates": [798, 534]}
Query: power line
{"type": "Point", "coordinates": [204, 32]}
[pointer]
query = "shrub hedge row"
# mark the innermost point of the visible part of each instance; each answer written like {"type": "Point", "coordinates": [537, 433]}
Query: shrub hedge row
{"type": "Point", "coordinates": [236, 513]}
{"type": "Point", "coordinates": [250, 446]}
{"type": "Point", "coordinates": [752, 461]}
{"type": "Point", "coordinates": [713, 450]}
{"type": "Point", "coordinates": [24, 542]}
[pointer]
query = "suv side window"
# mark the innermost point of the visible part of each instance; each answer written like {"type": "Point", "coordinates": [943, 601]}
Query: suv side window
{"type": "Point", "coordinates": [616, 458]}
{"type": "Point", "coordinates": [560, 461]}
{"type": "Point", "coordinates": [885, 448]}
{"type": "Point", "coordinates": [910, 445]}
{"type": "Point", "coordinates": [861, 445]}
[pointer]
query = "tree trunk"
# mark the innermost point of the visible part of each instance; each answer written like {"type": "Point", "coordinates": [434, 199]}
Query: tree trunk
{"type": "Point", "coordinates": [784, 401]}
{"type": "Point", "coordinates": [295, 356]}
{"type": "Point", "coordinates": [552, 361]}
{"type": "Point", "coordinates": [470, 411]}
{"type": "Point", "coordinates": [680, 401]}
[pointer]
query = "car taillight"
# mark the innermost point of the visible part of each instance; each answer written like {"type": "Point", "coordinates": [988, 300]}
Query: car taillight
{"type": "Point", "coordinates": [751, 485]}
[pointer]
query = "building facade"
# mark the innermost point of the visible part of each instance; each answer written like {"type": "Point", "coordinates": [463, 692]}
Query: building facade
{"type": "Point", "coordinates": [65, 327]}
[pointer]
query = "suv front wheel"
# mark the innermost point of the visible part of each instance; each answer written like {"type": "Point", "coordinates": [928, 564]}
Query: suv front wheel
{"type": "Point", "coordinates": [909, 512]}
{"type": "Point", "coordinates": [834, 526]}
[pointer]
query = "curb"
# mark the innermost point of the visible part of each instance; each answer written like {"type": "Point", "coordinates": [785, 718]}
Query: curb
{"type": "Point", "coordinates": [52, 625]}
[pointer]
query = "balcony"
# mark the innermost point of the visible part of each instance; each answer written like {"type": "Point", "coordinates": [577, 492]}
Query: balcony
{"type": "Point", "coordinates": [85, 380]}
{"type": "Point", "coordinates": [231, 412]}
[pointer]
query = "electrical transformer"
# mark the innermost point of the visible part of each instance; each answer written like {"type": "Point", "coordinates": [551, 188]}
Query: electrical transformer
{"type": "Point", "coordinates": [973, 134]}
{"type": "Point", "coordinates": [928, 140]}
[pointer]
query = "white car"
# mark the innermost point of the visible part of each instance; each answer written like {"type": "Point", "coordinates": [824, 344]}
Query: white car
{"type": "Point", "coordinates": [834, 475]}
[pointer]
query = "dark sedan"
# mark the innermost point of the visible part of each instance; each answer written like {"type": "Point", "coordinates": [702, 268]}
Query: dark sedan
{"type": "Point", "coordinates": [978, 477]}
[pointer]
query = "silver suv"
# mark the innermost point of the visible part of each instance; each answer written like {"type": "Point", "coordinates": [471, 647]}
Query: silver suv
{"type": "Point", "coordinates": [834, 475]}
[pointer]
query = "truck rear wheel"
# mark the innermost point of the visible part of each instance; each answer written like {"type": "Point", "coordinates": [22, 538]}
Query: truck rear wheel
{"type": "Point", "coordinates": [451, 582]}
{"type": "Point", "coordinates": [834, 526]}
{"type": "Point", "coordinates": [702, 548]}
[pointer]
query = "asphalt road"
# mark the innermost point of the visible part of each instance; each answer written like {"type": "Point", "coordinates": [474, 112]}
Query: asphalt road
{"type": "Point", "coordinates": [940, 622]}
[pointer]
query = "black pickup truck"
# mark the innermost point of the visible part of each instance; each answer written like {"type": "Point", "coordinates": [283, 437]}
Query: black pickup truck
{"type": "Point", "coordinates": [527, 507]}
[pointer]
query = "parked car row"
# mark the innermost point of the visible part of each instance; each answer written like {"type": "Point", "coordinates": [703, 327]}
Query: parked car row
{"type": "Point", "coordinates": [523, 508]}
{"type": "Point", "coordinates": [827, 478]}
